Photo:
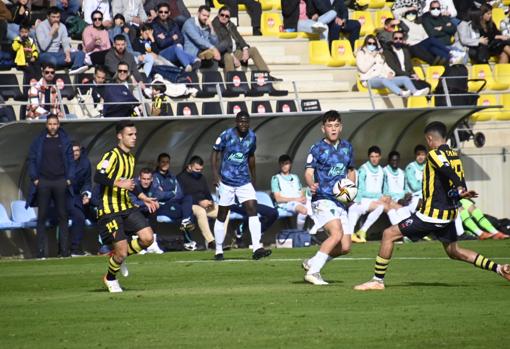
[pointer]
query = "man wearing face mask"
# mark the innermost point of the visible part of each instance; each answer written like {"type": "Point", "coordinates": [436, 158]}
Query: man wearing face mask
{"type": "Point", "coordinates": [398, 57]}
{"type": "Point", "coordinates": [437, 25]}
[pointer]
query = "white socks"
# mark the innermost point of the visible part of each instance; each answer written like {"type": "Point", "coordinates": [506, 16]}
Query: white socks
{"type": "Point", "coordinates": [353, 215]}
{"type": "Point", "coordinates": [255, 232]}
{"type": "Point", "coordinates": [317, 262]}
{"type": "Point", "coordinates": [372, 217]}
{"type": "Point", "coordinates": [219, 235]}
{"type": "Point", "coordinates": [300, 221]}
{"type": "Point", "coordinates": [393, 216]}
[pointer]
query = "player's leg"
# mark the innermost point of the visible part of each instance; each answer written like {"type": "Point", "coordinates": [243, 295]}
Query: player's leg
{"type": "Point", "coordinates": [482, 221]}
{"type": "Point", "coordinates": [112, 232]}
{"type": "Point", "coordinates": [302, 213]}
{"type": "Point", "coordinates": [355, 211]}
{"type": "Point", "coordinates": [376, 208]}
{"type": "Point", "coordinates": [392, 212]}
{"type": "Point", "coordinates": [226, 198]}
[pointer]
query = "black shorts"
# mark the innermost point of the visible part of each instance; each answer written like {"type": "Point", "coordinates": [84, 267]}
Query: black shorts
{"type": "Point", "coordinates": [415, 229]}
{"type": "Point", "coordinates": [114, 228]}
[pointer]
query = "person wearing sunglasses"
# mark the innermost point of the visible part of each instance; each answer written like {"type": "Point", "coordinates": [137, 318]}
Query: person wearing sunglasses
{"type": "Point", "coordinates": [178, 11]}
{"type": "Point", "coordinates": [254, 9]}
{"type": "Point", "coordinates": [119, 100]}
{"type": "Point", "coordinates": [96, 42]}
{"type": "Point", "coordinates": [401, 7]}
{"type": "Point", "coordinates": [42, 95]}
{"type": "Point", "coordinates": [437, 25]}
{"type": "Point", "coordinates": [132, 10]}
{"type": "Point", "coordinates": [385, 34]}
{"type": "Point", "coordinates": [374, 72]}
{"type": "Point", "coordinates": [103, 6]}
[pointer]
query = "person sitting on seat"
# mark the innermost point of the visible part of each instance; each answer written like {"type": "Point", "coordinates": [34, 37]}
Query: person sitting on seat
{"type": "Point", "coordinates": [199, 38]}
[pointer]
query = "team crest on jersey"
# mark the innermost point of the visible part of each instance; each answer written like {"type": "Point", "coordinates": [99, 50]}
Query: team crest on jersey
{"type": "Point", "coordinates": [236, 157]}
{"type": "Point", "coordinates": [407, 223]}
{"type": "Point", "coordinates": [336, 170]}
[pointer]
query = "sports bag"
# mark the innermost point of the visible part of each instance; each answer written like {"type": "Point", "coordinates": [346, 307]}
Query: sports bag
{"type": "Point", "coordinates": [292, 238]}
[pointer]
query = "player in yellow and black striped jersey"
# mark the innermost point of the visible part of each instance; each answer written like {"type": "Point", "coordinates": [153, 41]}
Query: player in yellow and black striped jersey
{"type": "Point", "coordinates": [117, 214]}
{"type": "Point", "coordinates": [443, 187]}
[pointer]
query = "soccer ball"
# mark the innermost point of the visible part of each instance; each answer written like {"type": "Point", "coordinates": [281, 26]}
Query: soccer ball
{"type": "Point", "coordinates": [345, 190]}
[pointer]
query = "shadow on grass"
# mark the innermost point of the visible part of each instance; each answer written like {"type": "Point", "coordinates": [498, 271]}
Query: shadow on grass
{"type": "Point", "coordinates": [428, 284]}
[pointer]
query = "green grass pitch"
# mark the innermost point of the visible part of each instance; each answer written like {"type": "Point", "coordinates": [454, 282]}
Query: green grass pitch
{"type": "Point", "coordinates": [186, 300]}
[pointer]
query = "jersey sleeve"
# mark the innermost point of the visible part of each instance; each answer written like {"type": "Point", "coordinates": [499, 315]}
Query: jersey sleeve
{"type": "Point", "coordinates": [440, 161]}
{"type": "Point", "coordinates": [275, 185]}
{"type": "Point", "coordinates": [253, 145]}
{"type": "Point", "coordinates": [351, 156]}
{"type": "Point", "coordinates": [412, 183]}
{"type": "Point", "coordinates": [105, 168]}
{"type": "Point", "coordinates": [311, 159]}
{"type": "Point", "coordinates": [221, 142]}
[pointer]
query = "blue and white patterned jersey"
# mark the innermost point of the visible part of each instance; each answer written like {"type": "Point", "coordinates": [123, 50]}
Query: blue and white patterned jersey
{"type": "Point", "coordinates": [330, 165]}
{"type": "Point", "coordinates": [236, 152]}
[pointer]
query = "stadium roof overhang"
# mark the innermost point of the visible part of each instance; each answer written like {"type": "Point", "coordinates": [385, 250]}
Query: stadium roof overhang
{"type": "Point", "coordinates": [181, 137]}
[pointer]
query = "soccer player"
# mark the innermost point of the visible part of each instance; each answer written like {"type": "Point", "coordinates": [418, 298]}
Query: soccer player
{"type": "Point", "coordinates": [394, 186]}
{"type": "Point", "coordinates": [444, 186]}
{"type": "Point", "coordinates": [370, 198]}
{"type": "Point", "coordinates": [116, 212]}
{"type": "Point", "coordinates": [288, 192]}
{"type": "Point", "coordinates": [326, 164]}
{"type": "Point", "coordinates": [475, 222]}
{"type": "Point", "coordinates": [414, 176]}
{"type": "Point", "coordinates": [236, 146]}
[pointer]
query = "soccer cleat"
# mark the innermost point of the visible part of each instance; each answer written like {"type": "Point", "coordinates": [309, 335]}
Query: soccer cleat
{"type": "Point", "coordinates": [372, 285]}
{"type": "Point", "coordinates": [362, 235]}
{"type": "Point", "coordinates": [124, 269]}
{"type": "Point", "coordinates": [500, 236]}
{"type": "Point", "coordinates": [315, 279]}
{"type": "Point", "coordinates": [187, 225]}
{"type": "Point", "coordinates": [485, 235]}
{"type": "Point", "coordinates": [306, 264]}
{"type": "Point", "coordinates": [355, 238]}
{"type": "Point", "coordinates": [113, 286]}
{"type": "Point", "coordinates": [504, 271]}
{"type": "Point", "coordinates": [190, 246]}
{"type": "Point", "coordinates": [219, 257]}
{"type": "Point", "coordinates": [261, 253]}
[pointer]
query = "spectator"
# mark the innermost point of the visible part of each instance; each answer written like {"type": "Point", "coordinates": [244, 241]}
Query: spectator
{"type": "Point", "coordinates": [476, 223]}
{"type": "Point", "coordinates": [420, 42]}
{"type": "Point", "coordinates": [52, 171]}
{"type": "Point", "coordinates": [447, 9]}
{"type": "Point", "coordinates": [504, 25]}
{"type": "Point", "coordinates": [253, 7]}
{"type": "Point", "coordinates": [235, 51]}
{"type": "Point", "coordinates": [119, 100]}
{"type": "Point", "coordinates": [132, 11]}
{"type": "Point", "coordinates": [5, 18]}
{"type": "Point", "coordinates": [414, 176]}
{"type": "Point", "coordinates": [374, 72]}
{"type": "Point", "coordinates": [268, 215]}
{"type": "Point", "coordinates": [173, 202]}
{"type": "Point", "coordinates": [313, 23]}
{"type": "Point", "coordinates": [193, 183]}
{"type": "Point", "coordinates": [6, 112]}
{"type": "Point", "coordinates": [54, 44]}
{"type": "Point", "coordinates": [438, 25]}
{"type": "Point", "coordinates": [464, 7]}
{"type": "Point", "coordinates": [341, 24]}
{"type": "Point", "coordinates": [79, 203]}
{"type": "Point", "coordinates": [91, 101]}
{"type": "Point", "coordinates": [498, 44]}
{"type": "Point", "coordinates": [43, 97]}
{"type": "Point", "coordinates": [401, 7]}
{"type": "Point", "coordinates": [96, 42]}
{"type": "Point", "coordinates": [169, 40]}
{"type": "Point", "coordinates": [24, 48]}
{"type": "Point", "coordinates": [160, 101]}
{"type": "Point", "coordinates": [178, 11]}
{"type": "Point", "coordinates": [68, 8]}
{"type": "Point", "coordinates": [21, 14]}
{"type": "Point", "coordinates": [117, 54]}
{"type": "Point", "coordinates": [291, 10]}
{"type": "Point", "coordinates": [103, 6]}
{"type": "Point", "coordinates": [470, 37]}
{"type": "Point", "coordinates": [398, 58]}
{"type": "Point", "coordinates": [385, 35]}
{"type": "Point", "coordinates": [288, 192]}
{"type": "Point", "coordinates": [199, 37]}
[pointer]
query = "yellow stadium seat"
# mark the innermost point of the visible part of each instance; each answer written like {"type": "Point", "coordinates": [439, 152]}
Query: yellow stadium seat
{"type": "Point", "coordinates": [319, 54]}
{"type": "Point", "coordinates": [505, 112]}
{"type": "Point", "coordinates": [377, 3]}
{"type": "Point", "coordinates": [502, 73]}
{"type": "Point", "coordinates": [506, 2]}
{"type": "Point", "coordinates": [341, 50]}
{"type": "Point", "coordinates": [417, 102]}
{"type": "Point", "coordinates": [418, 70]}
{"type": "Point", "coordinates": [357, 44]}
{"type": "Point", "coordinates": [308, 36]}
{"type": "Point", "coordinates": [483, 71]}
{"type": "Point", "coordinates": [266, 5]}
{"type": "Point", "coordinates": [365, 19]}
{"type": "Point", "coordinates": [498, 14]}
{"type": "Point", "coordinates": [486, 114]}
{"type": "Point", "coordinates": [270, 24]}
{"type": "Point", "coordinates": [432, 75]}
{"type": "Point", "coordinates": [380, 17]}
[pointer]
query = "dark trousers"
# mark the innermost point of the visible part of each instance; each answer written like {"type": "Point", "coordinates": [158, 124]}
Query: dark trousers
{"type": "Point", "coordinates": [98, 57]}
{"type": "Point", "coordinates": [268, 215]}
{"type": "Point", "coordinates": [479, 54]}
{"type": "Point", "coordinates": [56, 190]}
{"type": "Point", "coordinates": [253, 8]}
{"type": "Point", "coordinates": [177, 209]}
{"type": "Point", "coordinates": [351, 28]}
{"type": "Point", "coordinates": [77, 214]}
{"type": "Point", "coordinates": [290, 13]}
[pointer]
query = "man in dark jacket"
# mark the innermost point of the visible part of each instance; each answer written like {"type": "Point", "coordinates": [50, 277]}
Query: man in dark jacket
{"type": "Point", "coordinates": [438, 26]}
{"type": "Point", "coordinates": [51, 168]}
{"type": "Point", "coordinates": [235, 51]}
{"type": "Point", "coordinates": [398, 57]}
{"type": "Point", "coordinates": [119, 101]}
{"type": "Point", "coordinates": [342, 23]}
{"type": "Point", "coordinates": [253, 8]}
{"type": "Point", "coordinates": [79, 202]}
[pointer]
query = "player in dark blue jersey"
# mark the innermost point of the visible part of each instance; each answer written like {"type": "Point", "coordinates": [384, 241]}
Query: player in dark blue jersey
{"type": "Point", "coordinates": [327, 163]}
{"type": "Point", "coordinates": [236, 147]}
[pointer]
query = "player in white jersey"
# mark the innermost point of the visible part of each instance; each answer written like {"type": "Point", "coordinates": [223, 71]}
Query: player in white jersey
{"type": "Point", "coordinates": [370, 195]}
{"type": "Point", "coordinates": [395, 187]}
{"type": "Point", "coordinates": [288, 192]}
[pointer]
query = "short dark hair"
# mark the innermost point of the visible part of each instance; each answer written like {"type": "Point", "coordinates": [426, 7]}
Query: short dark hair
{"type": "Point", "coordinates": [144, 27]}
{"type": "Point", "coordinates": [331, 115]}
{"type": "Point", "coordinates": [224, 8]}
{"type": "Point", "coordinates": [145, 170]}
{"type": "Point", "coordinates": [159, 87]}
{"type": "Point", "coordinates": [75, 143]}
{"type": "Point", "coordinates": [52, 116]}
{"type": "Point", "coordinates": [163, 155]}
{"type": "Point", "coordinates": [374, 149]}
{"type": "Point", "coordinates": [397, 32]}
{"type": "Point", "coordinates": [121, 125]}
{"type": "Point", "coordinates": [119, 16]}
{"type": "Point", "coordinates": [436, 127]}
{"type": "Point", "coordinates": [195, 159]}
{"type": "Point", "coordinates": [204, 8]}
{"type": "Point", "coordinates": [45, 65]}
{"type": "Point", "coordinates": [419, 148]}
{"type": "Point", "coordinates": [241, 114]}
{"type": "Point", "coordinates": [122, 63]}
{"type": "Point", "coordinates": [95, 12]}
{"type": "Point", "coordinates": [53, 10]}
{"type": "Point", "coordinates": [284, 158]}
{"type": "Point", "coordinates": [392, 154]}
{"type": "Point", "coordinates": [387, 21]}
{"type": "Point", "coordinates": [25, 25]}
{"type": "Point", "coordinates": [161, 5]}
{"type": "Point", "coordinates": [119, 37]}
{"type": "Point", "coordinates": [100, 68]}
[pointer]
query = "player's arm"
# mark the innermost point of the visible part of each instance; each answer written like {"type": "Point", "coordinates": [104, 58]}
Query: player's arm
{"type": "Point", "coordinates": [251, 165]}
{"type": "Point", "coordinates": [310, 179]}
{"type": "Point", "coordinates": [151, 203]}
{"type": "Point", "coordinates": [215, 166]}
{"type": "Point", "coordinates": [104, 170]}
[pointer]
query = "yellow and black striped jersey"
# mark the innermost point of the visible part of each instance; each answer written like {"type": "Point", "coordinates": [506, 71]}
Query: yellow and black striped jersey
{"type": "Point", "coordinates": [443, 172]}
{"type": "Point", "coordinates": [115, 164]}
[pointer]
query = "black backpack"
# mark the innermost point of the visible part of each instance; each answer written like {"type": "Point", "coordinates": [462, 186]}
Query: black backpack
{"type": "Point", "coordinates": [456, 78]}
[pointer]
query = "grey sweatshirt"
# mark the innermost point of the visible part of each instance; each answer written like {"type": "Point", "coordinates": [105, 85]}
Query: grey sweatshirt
{"type": "Point", "coordinates": [46, 42]}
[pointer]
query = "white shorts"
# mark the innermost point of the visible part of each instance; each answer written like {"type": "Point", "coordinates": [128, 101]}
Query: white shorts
{"type": "Point", "coordinates": [227, 194]}
{"type": "Point", "coordinates": [413, 205]}
{"type": "Point", "coordinates": [364, 204]}
{"type": "Point", "coordinates": [324, 211]}
{"type": "Point", "coordinates": [290, 206]}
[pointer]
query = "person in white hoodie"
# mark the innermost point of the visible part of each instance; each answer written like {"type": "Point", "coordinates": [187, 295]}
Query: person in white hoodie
{"type": "Point", "coordinates": [374, 72]}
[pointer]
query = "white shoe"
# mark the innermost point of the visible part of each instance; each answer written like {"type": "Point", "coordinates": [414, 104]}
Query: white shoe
{"type": "Point", "coordinates": [423, 92]}
{"type": "Point", "coordinates": [190, 246]}
{"type": "Point", "coordinates": [306, 264]}
{"type": "Point", "coordinates": [319, 27]}
{"type": "Point", "coordinates": [124, 269]}
{"type": "Point", "coordinates": [154, 248]}
{"type": "Point", "coordinates": [405, 94]}
{"type": "Point", "coordinates": [78, 70]}
{"type": "Point", "coordinates": [315, 279]}
{"type": "Point", "coordinates": [113, 286]}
